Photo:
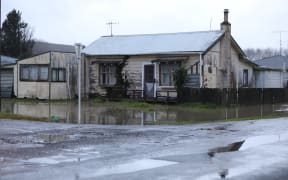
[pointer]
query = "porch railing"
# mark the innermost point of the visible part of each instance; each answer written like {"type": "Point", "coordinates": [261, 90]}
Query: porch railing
{"type": "Point", "coordinates": [161, 96]}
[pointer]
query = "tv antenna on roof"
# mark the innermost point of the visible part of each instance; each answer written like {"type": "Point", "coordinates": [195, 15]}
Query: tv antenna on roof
{"type": "Point", "coordinates": [280, 43]}
{"type": "Point", "coordinates": [211, 24]}
{"type": "Point", "coordinates": [110, 24]}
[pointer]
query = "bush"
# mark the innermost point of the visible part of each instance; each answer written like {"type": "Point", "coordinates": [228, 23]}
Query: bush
{"type": "Point", "coordinates": [180, 76]}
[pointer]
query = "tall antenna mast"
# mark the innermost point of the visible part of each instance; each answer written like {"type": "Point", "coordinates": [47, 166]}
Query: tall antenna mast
{"type": "Point", "coordinates": [110, 24]}
{"type": "Point", "coordinates": [280, 42]}
{"type": "Point", "coordinates": [211, 24]}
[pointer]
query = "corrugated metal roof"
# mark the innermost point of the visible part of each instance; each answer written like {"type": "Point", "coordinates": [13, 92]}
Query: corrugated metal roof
{"type": "Point", "coordinates": [153, 43]}
{"type": "Point", "coordinates": [275, 62]}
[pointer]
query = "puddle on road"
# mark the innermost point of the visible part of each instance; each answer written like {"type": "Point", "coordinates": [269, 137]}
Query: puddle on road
{"type": "Point", "coordinates": [134, 166]}
{"type": "Point", "coordinates": [254, 165]}
{"type": "Point", "coordinates": [249, 143]}
{"type": "Point", "coordinates": [262, 140]}
{"type": "Point", "coordinates": [52, 138]}
{"type": "Point", "coordinates": [52, 160]}
{"type": "Point", "coordinates": [67, 155]}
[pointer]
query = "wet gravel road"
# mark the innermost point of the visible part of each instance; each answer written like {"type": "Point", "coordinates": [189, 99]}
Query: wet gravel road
{"type": "Point", "coordinates": [234, 150]}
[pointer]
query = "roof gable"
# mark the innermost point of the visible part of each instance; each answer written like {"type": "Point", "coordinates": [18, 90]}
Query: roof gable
{"type": "Point", "coordinates": [154, 43]}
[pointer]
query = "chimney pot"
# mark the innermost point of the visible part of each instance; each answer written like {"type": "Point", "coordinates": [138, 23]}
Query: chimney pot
{"type": "Point", "coordinates": [226, 12]}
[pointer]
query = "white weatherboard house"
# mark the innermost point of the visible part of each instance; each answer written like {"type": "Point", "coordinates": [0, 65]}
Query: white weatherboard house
{"type": "Point", "coordinates": [212, 59]}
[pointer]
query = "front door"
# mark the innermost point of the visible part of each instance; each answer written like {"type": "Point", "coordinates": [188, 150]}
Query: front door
{"type": "Point", "coordinates": [149, 81]}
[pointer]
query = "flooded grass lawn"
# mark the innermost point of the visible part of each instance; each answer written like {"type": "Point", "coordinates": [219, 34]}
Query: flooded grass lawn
{"type": "Point", "coordinates": [134, 113]}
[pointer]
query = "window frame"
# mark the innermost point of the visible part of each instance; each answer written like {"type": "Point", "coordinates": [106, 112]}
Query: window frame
{"type": "Point", "coordinates": [245, 78]}
{"type": "Point", "coordinates": [29, 67]}
{"type": "Point", "coordinates": [57, 70]}
{"type": "Point", "coordinates": [171, 69]}
{"type": "Point", "coordinates": [107, 70]}
{"type": "Point", "coordinates": [195, 67]}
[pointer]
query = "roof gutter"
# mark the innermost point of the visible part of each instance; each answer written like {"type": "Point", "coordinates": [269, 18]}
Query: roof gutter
{"type": "Point", "coordinates": [150, 54]}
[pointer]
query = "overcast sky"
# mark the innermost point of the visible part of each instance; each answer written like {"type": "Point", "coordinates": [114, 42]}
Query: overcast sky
{"type": "Point", "coordinates": [254, 22]}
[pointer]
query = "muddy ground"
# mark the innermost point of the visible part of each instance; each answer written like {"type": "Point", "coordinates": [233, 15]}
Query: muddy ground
{"type": "Point", "coordinates": [234, 150]}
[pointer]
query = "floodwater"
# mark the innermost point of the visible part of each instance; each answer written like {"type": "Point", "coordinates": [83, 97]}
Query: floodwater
{"type": "Point", "coordinates": [116, 115]}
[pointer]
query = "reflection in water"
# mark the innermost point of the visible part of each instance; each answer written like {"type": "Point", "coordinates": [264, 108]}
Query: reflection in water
{"type": "Point", "coordinates": [105, 114]}
{"type": "Point", "coordinates": [244, 145]}
{"type": "Point", "coordinates": [229, 148]}
{"type": "Point", "coordinates": [249, 143]}
{"type": "Point", "coordinates": [223, 173]}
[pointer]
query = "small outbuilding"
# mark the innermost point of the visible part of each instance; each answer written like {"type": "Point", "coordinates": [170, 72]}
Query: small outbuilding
{"type": "Point", "coordinates": [50, 75]}
{"type": "Point", "coordinates": [272, 72]}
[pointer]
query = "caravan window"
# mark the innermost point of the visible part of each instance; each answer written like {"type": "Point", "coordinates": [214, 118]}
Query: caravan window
{"type": "Point", "coordinates": [43, 73]}
{"type": "Point", "coordinates": [33, 72]}
{"type": "Point", "coordinates": [58, 74]}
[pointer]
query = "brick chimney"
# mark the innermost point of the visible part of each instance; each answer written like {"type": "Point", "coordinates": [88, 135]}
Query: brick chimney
{"type": "Point", "coordinates": [225, 51]}
{"type": "Point", "coordinates": [225, 25]}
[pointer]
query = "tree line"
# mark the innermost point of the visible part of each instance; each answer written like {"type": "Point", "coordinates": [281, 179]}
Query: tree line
{"type": "Point", "coordinates": [257, 53]}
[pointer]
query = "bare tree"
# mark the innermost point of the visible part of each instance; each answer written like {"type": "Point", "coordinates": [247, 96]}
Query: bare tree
{"type": "Point", "coordinates": [255, 54]}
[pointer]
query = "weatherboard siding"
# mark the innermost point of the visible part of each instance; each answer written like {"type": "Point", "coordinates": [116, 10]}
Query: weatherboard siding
{"type": "Point", "coordinates": [134, 69]}
{"type": "Point", "coordinates": [268, 79]}
{"type": "Point", "coordinates": [237, 69]}
{"type": "Point", "coordinates": [211, 61]}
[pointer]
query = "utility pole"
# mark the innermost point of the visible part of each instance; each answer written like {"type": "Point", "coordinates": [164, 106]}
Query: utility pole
{"type": "Point", "coordinates": [110, 24]}
{"type": "Point", "coordinates": [78, 51]}
{"type": "Point", "coordinates": [280, 42]}
{"type": "Point", "coordinates": [0, 56]}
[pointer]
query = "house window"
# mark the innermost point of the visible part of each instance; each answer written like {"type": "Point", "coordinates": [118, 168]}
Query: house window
{"type": "Point", "coordinates": [33, 72]}
{"type": "Point", "coordinates": [58, 74]}
{"type": "Point", "coordinates": [166, 73]}
{"type": "Point", "coordinates": [245, 77]}
{"type": "Point", "coordinates": [107, 74]}
{"type": "Point", "coordinates": [195, 68]}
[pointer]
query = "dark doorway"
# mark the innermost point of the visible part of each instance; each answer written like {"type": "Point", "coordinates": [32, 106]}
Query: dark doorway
{"type": "Point", "coordinates": [149, 81]}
